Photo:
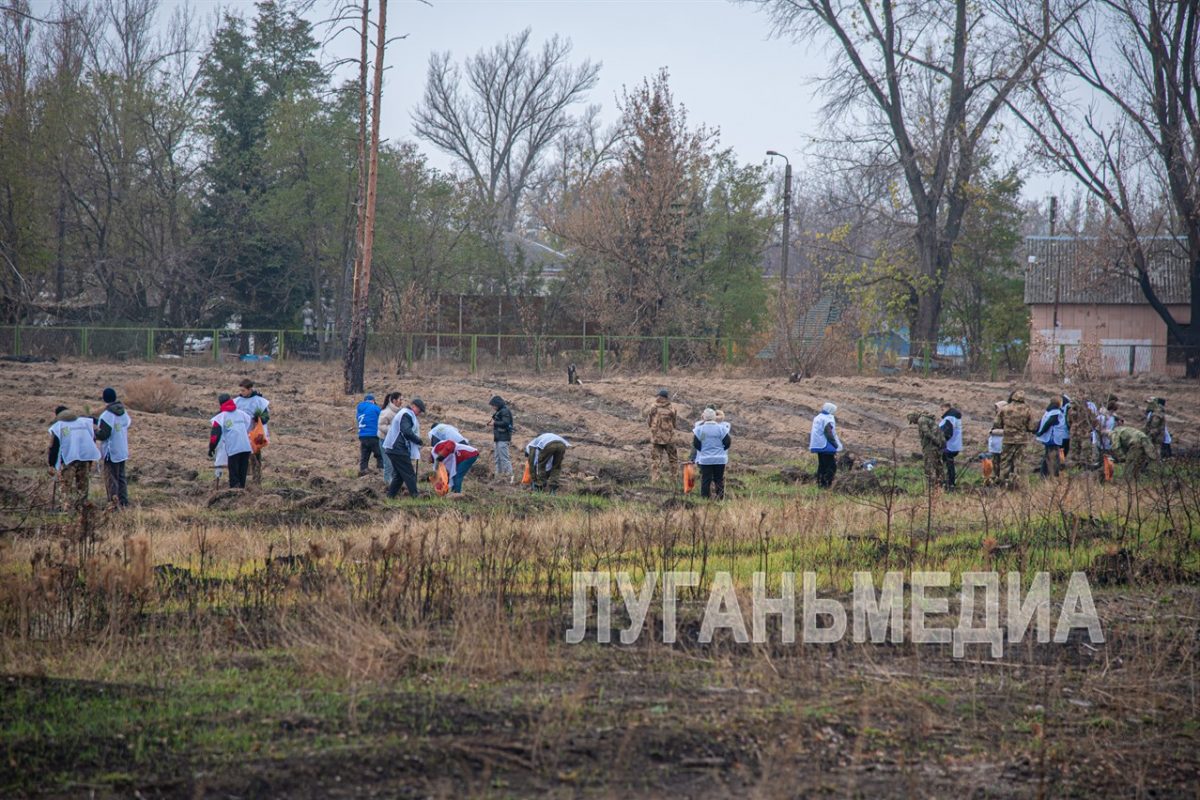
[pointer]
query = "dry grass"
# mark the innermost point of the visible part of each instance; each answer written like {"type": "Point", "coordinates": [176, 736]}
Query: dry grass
{"type": "Point", "coordinates": [156, 394]}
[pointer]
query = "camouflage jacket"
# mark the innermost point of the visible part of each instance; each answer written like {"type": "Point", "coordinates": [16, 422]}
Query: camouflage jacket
{"type": "Point", "coordinates": [1129, 442]}
{"type": "Point", "coordinates": [932, 437]}
{"type": "Point", "coordinates": [662, 419]}
{"type": "Point", "coordinates": [1015, 418]}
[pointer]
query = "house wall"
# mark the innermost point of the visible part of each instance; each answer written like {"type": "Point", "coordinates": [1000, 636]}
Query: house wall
{"type": "Point", "coordinates": [1101, 339]}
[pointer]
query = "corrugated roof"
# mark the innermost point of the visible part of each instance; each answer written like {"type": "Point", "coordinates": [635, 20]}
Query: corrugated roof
{"type": "Point", "coordinates": [1093, 272]}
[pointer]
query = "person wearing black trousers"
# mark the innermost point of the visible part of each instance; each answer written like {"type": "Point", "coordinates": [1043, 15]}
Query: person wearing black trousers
{"type": "Point", "coordinates": [711, 442]}
{"type": "Point", "coordinates": [403, 447]}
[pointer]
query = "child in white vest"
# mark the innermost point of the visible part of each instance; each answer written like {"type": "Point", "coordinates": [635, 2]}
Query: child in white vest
{"type": "Point", "coordinates": [113, 435]}
{"type": "Point", "coordinates": [71, 454]}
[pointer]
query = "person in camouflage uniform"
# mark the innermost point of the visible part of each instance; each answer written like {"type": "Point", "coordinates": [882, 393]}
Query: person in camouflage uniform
{"type": "Point", "coordinates": [1017, 421]}
{"type": "Point", "coordinates": [1156, 422]}
{"type": "Point", "coordinates": [1134, 448]}
{"type": "Point", "coordinates": [662, 419]}
{"type": "Point", "coordinates": [932, 444]}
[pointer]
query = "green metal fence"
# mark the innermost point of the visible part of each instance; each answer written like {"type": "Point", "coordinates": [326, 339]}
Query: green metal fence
{"type": "Point", "coordinates": [596, 352]}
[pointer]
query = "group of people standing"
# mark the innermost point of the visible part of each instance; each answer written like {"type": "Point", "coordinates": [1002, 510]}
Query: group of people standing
{"type": "Point", "coordinates": [78, 443]}
{"type": "Point", "coordinates": [238, 434]}
{"type": "Point", "coordinates": [391, 433]}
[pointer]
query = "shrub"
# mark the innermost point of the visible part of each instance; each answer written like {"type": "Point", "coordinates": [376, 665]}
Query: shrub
{"type": "Point", "coordinates": [157, 394]}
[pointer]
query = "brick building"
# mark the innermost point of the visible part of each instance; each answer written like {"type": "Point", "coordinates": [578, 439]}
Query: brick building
{"type": "Point", "coordinates": [1088, 312]}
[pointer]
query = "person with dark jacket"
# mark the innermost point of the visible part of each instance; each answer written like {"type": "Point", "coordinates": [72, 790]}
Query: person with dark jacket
{"type": "Point", "coordinates": [403, 447]}
{"type": "Point", "coordinates": [113, 435]}
{"type": "Point", "coordinates": [824, 442]}
{"type": "Point", "coordinates": [502, 431]}
{"type": "Point", "coordinates": [367, 417]}
{"type": "Point", "coordinates": [1052, 432]}
{"type": "Point", "coordinates": [952, 427]}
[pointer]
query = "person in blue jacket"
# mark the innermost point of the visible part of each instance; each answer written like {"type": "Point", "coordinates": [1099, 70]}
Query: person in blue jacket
{"type": "Point", "coordinates": [367, 415]}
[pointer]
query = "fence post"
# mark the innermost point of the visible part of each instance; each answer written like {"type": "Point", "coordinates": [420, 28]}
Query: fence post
{"type": "Point", "coordinates": [666, 355]}
{"type": "Point", "coordinates": [17, 339]}
{"type": "Point", "coordinates": [861, 346]}
{"type": "Point", "coordinates": [992, 363]}
{"type": "Point", "coordinates": [408, 353]}
{"type": "Point", "coordinates": [150, 344]}
{"type": "Point", "coordinates": [474, 352]}
{"type": "Point", "coordinates": [729, 350]}
{"type": "Point", "coordinates": [83, 342]}
{"type": "Point", "coordinates": [925, 357]}
{"type": "Point", "coordinates": [537, 354]}
{"type": "Point", "coordinates": [1132, 357]}
{"type": "Point", "coordinates": [282, 352]}
{"type": "Point", "coordinates": [1062, 359]}
{"type": "Point", "coordinates": [216, 345]}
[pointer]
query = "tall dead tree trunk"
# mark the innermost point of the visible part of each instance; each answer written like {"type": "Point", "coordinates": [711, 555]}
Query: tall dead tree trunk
{"type": "Point", "coordinates": [356, 346]}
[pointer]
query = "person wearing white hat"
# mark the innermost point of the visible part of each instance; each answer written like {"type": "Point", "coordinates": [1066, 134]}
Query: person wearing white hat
{"type": "Point", "coordinates": [711, 442]}
{"type": "Point", "coordinates": [824, 442]}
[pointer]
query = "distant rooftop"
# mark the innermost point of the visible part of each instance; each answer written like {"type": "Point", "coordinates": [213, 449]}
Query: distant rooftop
{"type": "Point", "coordinates": [1090, 271]}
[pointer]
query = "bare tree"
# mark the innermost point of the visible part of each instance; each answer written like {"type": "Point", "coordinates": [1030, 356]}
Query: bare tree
{"type": "Point", "coordinates": [1136, 146]}
{"type": "Point", "coordinates": [356, 345]}
{"type": "Point", "coordinates": [921, 83]}
{"type": "Point", "coordinates": [498, 123]}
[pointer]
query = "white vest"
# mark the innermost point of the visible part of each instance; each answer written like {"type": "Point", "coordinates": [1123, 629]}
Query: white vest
{"type": "Point", "coordinates": [116, 447]}
{"type": "Point", "coordinates": [235, 435]}
{"type": "Point", "coordinates": [534, 448]}
{"type": "Point", "coordinates": [1058, 429]}
{"type": "Point", "coordinates": [816, 439]}
{"type": "Point", "coordinates": [76, 440]}
{"type": "Point", "coordinates": [414, 450]}
{"type": "Point", "coordinates": [954, 443]}
{"type": "Point", "coordinates": [254, 404]}
{"type": "Point", "coordinates": [443, 431]}
{"type": "Point", "coordinates": [711, 450]}
{"type": "Point", "coordinates": [995, 444]}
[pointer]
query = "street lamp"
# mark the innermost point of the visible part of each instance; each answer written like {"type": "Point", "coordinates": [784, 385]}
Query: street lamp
{"type": "Point", "coordinates": [787, 218]}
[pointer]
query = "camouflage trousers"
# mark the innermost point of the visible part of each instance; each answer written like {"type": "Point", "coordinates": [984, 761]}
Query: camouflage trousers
{"type": "Point", "coordinates": [659, 452]}
{"type": "Point", "coordinates": [935, 468]}
{"type": "Point", "coordinates": [1080, 452]}
{"type": "Point", "coordinates": [74, 485]}
{"type": "Point", "coordinates": [256, 468]}
{"type": "Point", "coordinates": [1011, 456]}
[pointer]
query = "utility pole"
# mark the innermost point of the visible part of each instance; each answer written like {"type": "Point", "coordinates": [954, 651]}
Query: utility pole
{"type": "Point", "coordinates": [786, 247]}
{"type": "Point", "coordinates": [1051, 250]}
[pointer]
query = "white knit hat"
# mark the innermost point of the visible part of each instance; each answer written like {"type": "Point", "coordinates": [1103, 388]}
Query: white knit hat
{"type": "Point", "coordinates": [709, 415]}
{"type": "Point", "coordinates": [829, 408]}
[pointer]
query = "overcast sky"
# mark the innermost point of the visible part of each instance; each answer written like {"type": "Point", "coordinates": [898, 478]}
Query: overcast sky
{"type": "Point", "coordinates": [724, 65]}
{"type": "Point", "coordinates": [724, 68]}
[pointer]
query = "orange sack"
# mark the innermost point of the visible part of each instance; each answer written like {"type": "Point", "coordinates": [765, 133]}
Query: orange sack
{"type": "Point", "coordinates": [258, 436]}
{"type": "Point", "coordinates": [526, 478]}
{"type": "Point", "coordinates": [689, 478]}
{"type": "Point", "coordinates": [441, 481]}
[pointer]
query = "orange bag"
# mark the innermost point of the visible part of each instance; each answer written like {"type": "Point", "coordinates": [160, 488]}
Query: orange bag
{"type": "Point", "coordinates": [989, 469]}
{"type": "Point", "coordinates": [441, 480]}
{"type": "Point", "coordinates": [258, 436]}
{"type": "Point", "coordinates": [689, 478]}
{"type": "Point", "coordinates": [1109, 469]}
{"type": "Point", "coordinates": [526, 479]}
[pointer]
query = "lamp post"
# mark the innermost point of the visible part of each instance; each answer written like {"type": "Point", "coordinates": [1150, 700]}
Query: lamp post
{"type": "Point", "coordinates": [787, 218]}
{"type": "Point", "coordinates": [784, 319]}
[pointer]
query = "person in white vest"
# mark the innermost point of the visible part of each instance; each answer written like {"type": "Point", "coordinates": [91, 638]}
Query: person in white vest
{"type": "Point", "coordinates": [403, 446]}
{"type": "Point", "coordinates": [823, 440]}
{"type": "Point", "coordinates": [545, 454]}
{"type": "Point", "coordinates": [113, 436]}
{"type": "Point", "coordinates": [710, 439]}
{"type": "Point", "coordinates": [444, 431]}
{"type": "Point", "coordinates": [229, 441]}
{"type": "Point", "coordinates": [391, 407]}
{"type": "Point", "coordinates": [1052, 432]}
{"type": "Point", "coordinates": [71, 454]}
{"type": "Point", "coordinates": [257, 407]}
{"type": "Point", "coordinates": [952, 429]}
